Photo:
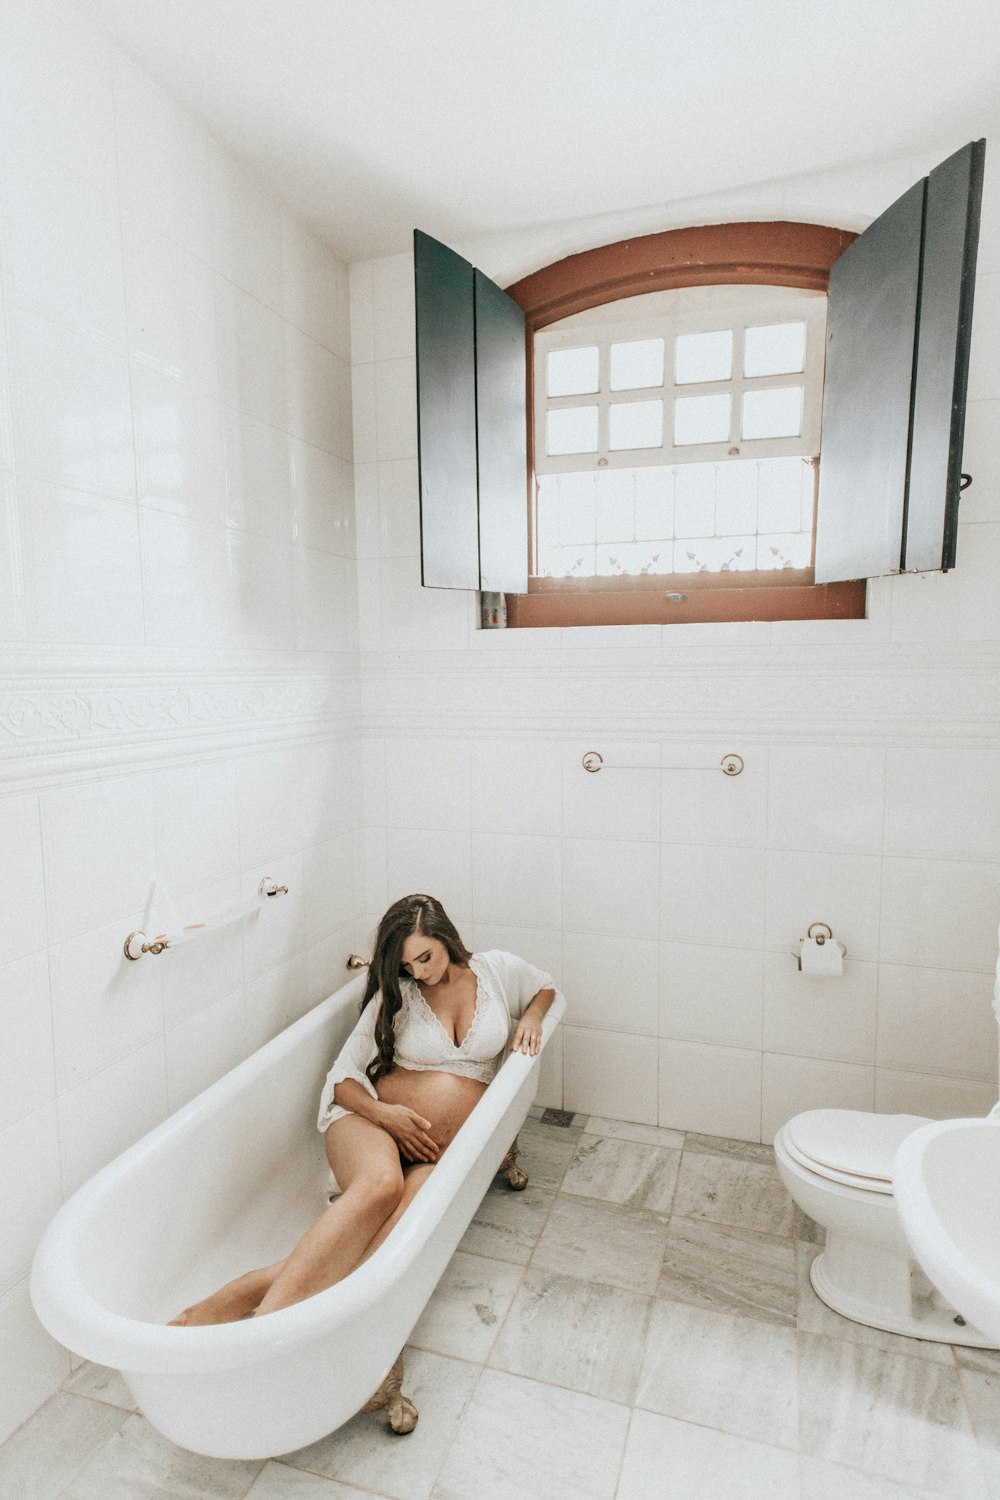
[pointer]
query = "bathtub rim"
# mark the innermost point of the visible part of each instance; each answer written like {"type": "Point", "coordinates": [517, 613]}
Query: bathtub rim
{"type": "Point", "coordinates": [74, 1316]}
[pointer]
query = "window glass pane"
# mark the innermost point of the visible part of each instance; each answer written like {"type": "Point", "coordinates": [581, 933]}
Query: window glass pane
{"type": "Point", "coordinates": [571, 429]}
{"type": "Point", "coordinates": [703, 356]}
{"type": "Point", "coordinates": [637, 363]}
{"type": "Point", "coordinates": [636, 424]}
{"type": "Point", "coordinates": [572, 372]}
{"type": "Point", "coordinates": [629, 559]}
{"type": "Point", "coordinates": [774, 413]}
{"type": "Point", "coordinates": [782, 485]}
{"type": "Point", "coordinates": [778, 349]}
{"type": "Point", "coordinates": [577, 508]}
{"type": "Point", "coordinates": [701, 419]}
{"type": "Point", "coordinates": [694, 500]}
{"type": "Point", "coordinates": [566, 562]}
{"type": "Point", "coordinates": [736, 498]}
{"type": "Point", "coordinates": [728, 554]}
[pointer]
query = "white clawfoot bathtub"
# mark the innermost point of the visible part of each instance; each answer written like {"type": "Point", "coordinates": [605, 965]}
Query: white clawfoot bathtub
{"type": "Point", "coordinates": [228, 1183]}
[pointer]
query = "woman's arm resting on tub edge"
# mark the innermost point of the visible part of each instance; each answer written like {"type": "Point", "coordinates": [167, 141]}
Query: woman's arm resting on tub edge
{"type": "Point", "coordinates": [410, 1131]}
{"type": "Point", "coordinates": [528, 1033]}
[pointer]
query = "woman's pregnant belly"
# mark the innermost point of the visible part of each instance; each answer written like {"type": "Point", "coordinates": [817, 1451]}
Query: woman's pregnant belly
{"type": "Point", "coordinates": [445, 1099]}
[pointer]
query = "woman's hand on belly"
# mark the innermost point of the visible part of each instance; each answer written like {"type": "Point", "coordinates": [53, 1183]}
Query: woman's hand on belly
{"type": "Point", "coordinates": [410, 1131]}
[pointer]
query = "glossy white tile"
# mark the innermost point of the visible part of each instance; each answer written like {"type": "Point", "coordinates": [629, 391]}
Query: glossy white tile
{"type": "Point", "coordinates": [703, 806]}
{"type": "Point", "coordinates": [393, 306]}
{"type": "Point", "coordinates": [943, 803]}
{"type": "Point", "coordinates": [516, 787]}
{"type": "Point", "coordinates": [711, 994]}
{"type": "Point", "coordinates": [104, 1006]}
{"type": "Point", "coordinates": [613, 982]}
{"type": "Point", "coordinates": [42, 1365]}
{"type": "Point", "coordinates": [809, 1016]}
{"type": "Point", "coordinates": [22, 889]}
{"type": "Point", "coordinates": [840, 889]}
{"type": "Point", "coordinates": [716, 1090]}
{"type": "Point", "coordinates": [712, 895]}
{"type": "Point", "coordinates": [936, 1021]}
{"type": "Point", "coordinates": [931, 1095]}
{"type": "Point", "coordinates": [72, 411]}
{"type": "Point", "coordinates": [27, 1063]}
{"type": "Point", "coordinates": [611, 887]}
{"type": "Point", "coordinates": [316, 286]}
{"type": "Point", "coordinates": [201, 1050]}
{"type": "Point", "coordinates": [515, 879]}
{"type": "Point", "coordinates": [427, 784]}
{"type": "Point", "coordinates": [62, 245]}
{"type": "Point", "coordinates": [81, 565]}
{"type": "Point", "coordinates": [942, 914]}
{"type": "Point", "coordinates": [617, 802]}
{"type": "Point", "coordinates": [396, 408]}
{"type": "Point", "coordinates": [100, 852]}
{"type": "Point", "coordinates": [439, 864]}
{"type": "Point", "coordinates": [172, 314]}
{"type": "Point", "coordinates": [31, 1191]}
{"type": "Point", "coordinates": [110, 1111]}
{"type": "Point", "coordinates": [179, 446]}
{"type": "Point", "coordinates": [828, 798]}
{"type": "Point", "coordinates": [611, 1075]}
{"type": "Point", "coordinates": [792, 1084]}
{"type": "Point", "coordinates": [399, 508]}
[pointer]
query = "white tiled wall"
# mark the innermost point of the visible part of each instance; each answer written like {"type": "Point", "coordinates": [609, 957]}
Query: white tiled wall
{"type": "Point", "coordinates": [670, 901]}
{"type": "Point", "coordinates": [177, 606]}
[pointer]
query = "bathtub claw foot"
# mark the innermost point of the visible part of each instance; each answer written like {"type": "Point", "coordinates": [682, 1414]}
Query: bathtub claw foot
{"type": "Point", "coordinates": [389, 1398]}
{"type": "Point", "coordinates": [515, 1175]}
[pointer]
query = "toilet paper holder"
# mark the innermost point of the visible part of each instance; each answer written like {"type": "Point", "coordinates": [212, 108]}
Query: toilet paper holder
{"type": "Point", "coordinates": [821, 938]}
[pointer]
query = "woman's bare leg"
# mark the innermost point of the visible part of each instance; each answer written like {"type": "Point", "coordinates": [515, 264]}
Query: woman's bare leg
{"type": "Point", "coordinates": [365, 1161]}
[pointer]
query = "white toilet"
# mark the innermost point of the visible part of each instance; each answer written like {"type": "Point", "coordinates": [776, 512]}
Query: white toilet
{"type": "Point", "coordinates": [837, 1166]}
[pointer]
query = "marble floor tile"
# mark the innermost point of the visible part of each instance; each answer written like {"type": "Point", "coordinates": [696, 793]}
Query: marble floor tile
{"type": "Point", "coordinates": [100, 1384]}
{"type": "Point", "coordinates": [624, 1130]}
{"type": "Point", "coordinates": [730, 1270]}
{"type": "Point", "coordinates": [605, 1242]}
{"type": "Point", "coordinates": [545, 1154]}
{"type": "Point", "coordinates": [826, 1481]}
{"type": "Point", "coordinates": [724, 1145]}
{"type": "Point", "coordinates": [41, 1457]}
{"type": "Point", "coordinates": [746, 1194]}
{"type": "Point", "coordinates": [623, 1172]}
{"type": "Point", "coordinates": [670, 1460]}
{"type": "Point", "coordinates": [506, 1225]}
{"type": "Point", "coordinates": [574, 1333]}
{"type": "Point", "coordinates": [735, 1374]}
{"type": "Point", "coordinates": [469, 1304]}
{"type": "Point", "coordinates": [138, 1461]}
{"type": "Point", "coordinates": [807, 1229]}
{"type": "Point", "coordinates": [367, 1454]}
{"type": "Point", "coordinates": [814, 1316]}
{"type": "Point", "coordinates": [278, 1482]}
{"type": "Point", "coordinates": [519, 1440]}
{"type": "Point", "coordinates": [540, 1126]}
{"type": "Point", "coordinates": [981, 1389]}
{"type": "Point", "coordinates": [887, 1414]}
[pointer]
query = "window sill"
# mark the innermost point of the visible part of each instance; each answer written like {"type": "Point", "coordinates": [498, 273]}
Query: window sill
{"type": "Point", "coordinates": [709, 599]}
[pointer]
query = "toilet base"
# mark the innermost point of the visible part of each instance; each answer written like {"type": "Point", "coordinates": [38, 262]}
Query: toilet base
{"type": "Point", "coordinates": [903, 1302]}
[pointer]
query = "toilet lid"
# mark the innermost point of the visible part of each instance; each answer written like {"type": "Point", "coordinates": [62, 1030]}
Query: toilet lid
{"type": "Point", "coordinates": [850, 1145]}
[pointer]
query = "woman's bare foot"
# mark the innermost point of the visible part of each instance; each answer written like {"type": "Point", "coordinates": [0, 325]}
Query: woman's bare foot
{"type": "Point", "coordinates": [230, 1303]}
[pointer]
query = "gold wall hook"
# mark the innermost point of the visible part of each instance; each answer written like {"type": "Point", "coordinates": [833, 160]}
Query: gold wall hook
{"type": "Point", "coordinates": [355, 961]}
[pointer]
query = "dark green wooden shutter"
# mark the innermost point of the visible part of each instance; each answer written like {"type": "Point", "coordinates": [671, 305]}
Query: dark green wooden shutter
{"type": "Point", "coordinates": [446, 416]}
{"type": "Point", "coordinates": [898, 335]}
{"type": "Point", "coordinates": [501, 426]}
{"type": "Point", "coordinates": [951, 235]}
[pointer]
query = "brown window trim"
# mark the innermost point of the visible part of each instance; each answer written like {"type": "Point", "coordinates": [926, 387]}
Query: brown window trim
{"type": "Point", "coordinates": [764, 254]}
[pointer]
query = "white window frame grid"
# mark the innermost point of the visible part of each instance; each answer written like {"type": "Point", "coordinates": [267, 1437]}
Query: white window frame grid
{"type": "Point", "coordinates": [762, 306]}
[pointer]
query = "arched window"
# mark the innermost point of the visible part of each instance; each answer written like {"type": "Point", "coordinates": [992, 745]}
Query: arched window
{"type": "Point", "coordinates": [675, 392]}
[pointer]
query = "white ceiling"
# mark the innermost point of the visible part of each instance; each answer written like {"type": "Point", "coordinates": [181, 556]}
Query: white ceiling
{"type": "Point", "coordinates": [470, 118]}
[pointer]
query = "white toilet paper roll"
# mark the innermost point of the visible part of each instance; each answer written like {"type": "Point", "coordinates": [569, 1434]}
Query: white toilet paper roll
{"type": "Point", "coordinates": [823, 959]}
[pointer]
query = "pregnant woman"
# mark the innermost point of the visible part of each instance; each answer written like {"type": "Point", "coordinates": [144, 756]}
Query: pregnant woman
{"type": "Point", "coordinates": [434, 1027]}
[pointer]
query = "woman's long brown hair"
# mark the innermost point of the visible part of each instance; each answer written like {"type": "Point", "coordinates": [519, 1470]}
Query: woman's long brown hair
{"type": "Point", "coordinates": [422, 914]}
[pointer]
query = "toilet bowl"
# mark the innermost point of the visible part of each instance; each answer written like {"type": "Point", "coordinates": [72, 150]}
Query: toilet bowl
{"type": "Point", "coordinates": [837, 1166]}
